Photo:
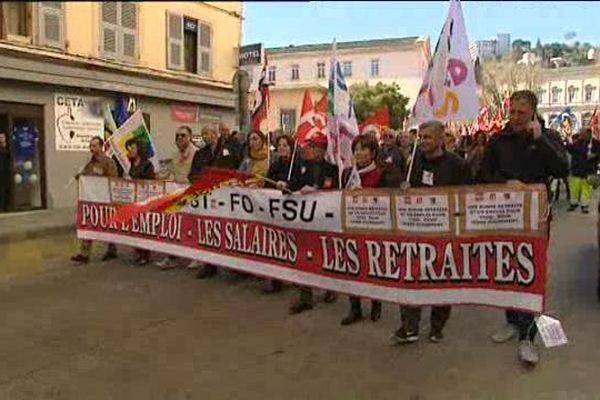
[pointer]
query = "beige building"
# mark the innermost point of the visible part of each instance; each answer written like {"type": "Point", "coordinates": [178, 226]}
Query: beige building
{"type": "Point", "coordinates": [294, 69]}
{"type": "Point", "coordinates": [574, 87]}
{"type": "Point", "coordinates": [175, 59]}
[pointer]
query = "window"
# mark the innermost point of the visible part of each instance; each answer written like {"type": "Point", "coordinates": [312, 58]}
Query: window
{"type": "Point", "coordinates": [541, 95]}
{"type": "Point", "coordinates": [321, 70]}
{"type": "Point", "coordinates": [51, 19]}
{"type": "Point", "coordinates": [119, 36]}
{"type": "Point", "coordinates": [189, 44]}
{"type": "Point", "coordinates": [288, 121]}
{"type": "Point", "coordinates": [374, 68]}
{"type": "Point", "coordinates": [347, 68]}
{"type": "Point", "coordinates": [572, 94]}
{"type": "Point", "coordinates": [295, 72]}
{"type": "Point", "coordinates": [272, 73]}
{"type": "Point", "coordinates": [16, 20]}
{"type": "Point", "coordinates": [589, 93]}
{"type": "Point", "coordinates": [556, 92]}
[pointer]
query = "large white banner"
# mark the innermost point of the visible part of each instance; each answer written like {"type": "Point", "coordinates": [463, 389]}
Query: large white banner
{"type": "Point", "coordinates": [77, 120]}
{"type": "Point", "coordinates": [449, 91]}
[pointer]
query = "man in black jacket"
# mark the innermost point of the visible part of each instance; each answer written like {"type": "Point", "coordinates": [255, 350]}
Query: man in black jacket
{"type": "Point", "coordinates": [433, 166]}
{"type": "Point", "coordinates": [523, 152]}
{"type": "Point", "coordinates": [585, 152]}
{"type": "Point", "coordinates": [218, 152]}
{"type": "Point", "coordinates": [313, 173]}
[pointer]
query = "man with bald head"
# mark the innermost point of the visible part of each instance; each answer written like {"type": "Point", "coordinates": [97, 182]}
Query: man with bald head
{"type": "Point", "coordinates": [433, 166]}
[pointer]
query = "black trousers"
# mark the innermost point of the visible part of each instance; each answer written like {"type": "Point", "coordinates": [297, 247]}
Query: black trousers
{"type": "Point", "coordinates": [356, 307]}
{"type": "Point", "coordinates": [411, 317]}
{"type": "Point", "coordinates": [4, 193]}
{"type": "Point", "coordinates": [524, 322]}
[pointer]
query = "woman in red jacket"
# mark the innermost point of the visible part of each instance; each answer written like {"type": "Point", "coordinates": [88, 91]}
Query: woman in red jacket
{"type": "Point", "coordinates": [364, 150]}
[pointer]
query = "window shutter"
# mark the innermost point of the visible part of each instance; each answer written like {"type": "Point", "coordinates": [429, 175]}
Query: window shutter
{"type": "Point", "coordinates": [204, 48]}
{"type": "Point", "coordinates": [51, 24]}
{"type": "Point", "coordinates": [129, 20]}
{"type": "Point", "coordinates": [174, 41]}
{"type": "Point", "coordinates": [110, 29]}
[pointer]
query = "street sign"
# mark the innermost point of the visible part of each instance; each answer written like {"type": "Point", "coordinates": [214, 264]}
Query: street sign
{"type": "Point", "coordinates": [251, 54]}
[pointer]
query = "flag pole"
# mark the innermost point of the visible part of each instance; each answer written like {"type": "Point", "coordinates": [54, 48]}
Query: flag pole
{"type": "Point", "coordinates": [412, 159]}
{"type": "Point", "coordinates": [289, 175]}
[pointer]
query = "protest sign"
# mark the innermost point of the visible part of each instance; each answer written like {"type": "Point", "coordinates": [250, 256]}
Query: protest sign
{"type": "Point", "coordinates": [411, 246]}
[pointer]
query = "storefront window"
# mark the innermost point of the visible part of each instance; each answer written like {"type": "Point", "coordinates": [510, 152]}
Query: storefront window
{"type": "Point", "coordinates": [21, 157]}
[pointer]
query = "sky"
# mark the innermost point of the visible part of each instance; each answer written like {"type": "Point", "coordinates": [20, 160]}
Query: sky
{"type": "Point", "coordinates": [284, 23]}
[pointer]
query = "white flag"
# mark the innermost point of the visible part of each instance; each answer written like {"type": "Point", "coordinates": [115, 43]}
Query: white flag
{"type": "Point", "coordinates": [449, 91]}
{"type": "Point", "coordinates": [341, 121]}
{"type": "Point", "coordinates": [354, 181]}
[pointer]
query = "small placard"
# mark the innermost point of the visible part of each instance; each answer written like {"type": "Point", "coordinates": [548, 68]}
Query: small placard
{"type": "Point", "coordinates": [495, 211]}
{"type": "Point", "coordinates": [371, 212]}
{"type": "Point", "coordinates": [122, 191]}
{"type": "Point", "coordinates": [146, 190]}
{"type": "Point", "coordinates": [423, 213]}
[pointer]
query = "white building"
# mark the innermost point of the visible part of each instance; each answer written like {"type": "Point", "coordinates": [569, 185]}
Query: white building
{"type": "Point", "coordinates": [485, 49]}
{"type": "Point", "coordinates": [293, 69]}
{"type": "Point", "coordinates": [574, 87]}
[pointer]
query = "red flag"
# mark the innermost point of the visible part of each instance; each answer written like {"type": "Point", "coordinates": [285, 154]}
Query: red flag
{"type": "Point", "coordinates": [261, 99]}
{"type": "Point", "coordinates": [321, 112]}
{"type": "Point", "coordinates": [377, 121]}
{"type": "Point", "coordinates": [210, 179]}
{"type": "Point", "coordinates": [306, 119]}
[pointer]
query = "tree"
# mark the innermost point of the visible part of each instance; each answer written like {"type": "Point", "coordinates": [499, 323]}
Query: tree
{"type": "Point", "coordinates": [503, 76]}
{"type": "Point", "coordinates": [368, 99]}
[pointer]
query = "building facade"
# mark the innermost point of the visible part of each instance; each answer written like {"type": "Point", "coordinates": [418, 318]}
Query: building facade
{"type": "Point", "coordinates": [56, 56]}
{"type": "Point", "coordinates": [574, 87]}
{"type": "Point", "coordinates": [494, 48]}
{"type": "Point", "coordinates": [294, 69]}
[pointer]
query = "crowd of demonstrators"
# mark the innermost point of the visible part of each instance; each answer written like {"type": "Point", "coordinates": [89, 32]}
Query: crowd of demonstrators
{"type": "Point", "coordinates": [4, 172]}
{"type": "Point", "coordinates": [141, 168]}
{"type": "Point", "coordinates": [433, 166]}
{"type": "Point", "coordinates": [523, 151]}
{"type": "Point", "coordinates": [98, 165]}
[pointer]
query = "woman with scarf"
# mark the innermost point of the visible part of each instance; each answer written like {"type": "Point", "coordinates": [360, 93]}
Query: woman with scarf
{"type": "Point", "coordinates": [141, 168]}
{"type": "Point", "coordinates": [279, 172]}
{"type": "Point", "coordinates": [365, 151]}
{"type": "Point", "coordinates": [257, 160]}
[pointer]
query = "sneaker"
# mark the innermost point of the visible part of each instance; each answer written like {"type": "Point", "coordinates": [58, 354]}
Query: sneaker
{"type": "Point", "coordinates": [436, 337]}
{"type": "Point", "coordinates": [505, 334]}
{"type": "Point", "coordinates": [109, 255]}
{"type": "Point", "coordinates": [528, 353]}
{"type": "Point", "coordinates": [351, 318]}
{"type": "Point", "coordinates": [572, 207]}
{"type": "Point", "coordinates": [299, 307]}
{"type": "Point", "coordinates": [80, 258]}
{"type": "Point", "coordinates": [165, 263]}
{"type": "Point", "coordinates": [194, 264]}
{"type": "Point", "coordinates": [330, 297]}
{"type": "Point", "coordinates": [403, 337]}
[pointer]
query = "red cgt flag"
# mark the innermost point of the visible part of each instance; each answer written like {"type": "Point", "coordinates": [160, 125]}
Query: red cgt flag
{"type": "Point", "coordinates": [594, 122]}
{"type": "Point", "coordinates": [209, 180]}
{"type": "Point", "coordinates": [306, 119]}
{"type": "Point", "coordinates": [380, 119]}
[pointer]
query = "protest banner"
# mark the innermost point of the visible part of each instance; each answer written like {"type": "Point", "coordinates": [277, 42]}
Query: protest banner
{"type": "Point", "coordinates": [134, 127]}
{"type": "Point", "coordinates": [481, 244]}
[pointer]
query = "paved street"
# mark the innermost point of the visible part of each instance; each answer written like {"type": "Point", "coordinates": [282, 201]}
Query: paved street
{"type": "Point", "coordinates": [119, 332]}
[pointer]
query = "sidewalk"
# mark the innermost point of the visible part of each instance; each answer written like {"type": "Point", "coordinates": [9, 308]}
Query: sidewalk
{"type": "Point", "coordinates": [35, 224]}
